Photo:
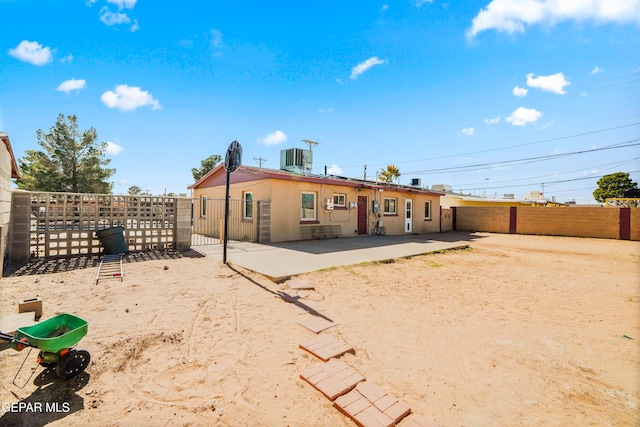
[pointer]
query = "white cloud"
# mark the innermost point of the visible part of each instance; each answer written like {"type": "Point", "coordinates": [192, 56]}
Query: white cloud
{"type": "Point", "coordinates": [384, 7]}
{"type": "Point", "coordinates": [554, 83]}
{"type": "Point", "coordinates": [364, 66]}
{"type": "Point", "coordinates": [123, 4]}
{"type": "Point", "coordinates": [68, 58]}
{"type": "Point", "coordinates": [274, 138]}
{"type": "Point", "coordinates": [325, 110]}
{"type": "Point", "coordinates": [512, 16]}
{"type": "Point", "coordinates": [134, 27]}
{"type": "Point", "coordinates": [334, 170]}
{"type": "Point", "coordinates": [128, 98]}
{"type": "Point", "coordinates": [596, 70]}
{"type": "Point", "coordinates": [113, 148]}
{"type": "Point", "coordinates": [111, 18]}
{"type": "Point", "coordinates": [523, 116]}
{"type": "Point", "coordinates": [468, 131]}
{"type": "Point", "coordinates": [73, 84]}
{"type": "Point", "coordinates": [520, 91]}
{"type": "Point", "coordinates": [492, 121]}
{"type": "Point", "coordinates": [32, 52]}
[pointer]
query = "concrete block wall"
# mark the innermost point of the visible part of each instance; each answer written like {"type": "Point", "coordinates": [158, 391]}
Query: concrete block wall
{"type": "Point", "coordinates": [598, 222]}
{"type": "Point", "coordinates": [573, 221]}
{"type": "Point", "coordinates": [182, 232]}
{"type": "Point", "coordinates": [19, 235]}
{"type": "Point", "coordinates": [635, 224]}
{"type": "Point", "coordinates": [482, 218]}
{"type": "Point", "coordinates": [45, 225]}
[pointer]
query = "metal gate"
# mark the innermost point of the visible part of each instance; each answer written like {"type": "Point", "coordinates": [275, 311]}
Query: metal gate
{"type": "Point", "coordinates": [207, 219]}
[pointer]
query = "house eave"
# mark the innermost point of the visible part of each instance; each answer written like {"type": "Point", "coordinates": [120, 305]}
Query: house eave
{"type": "Point", "coordinates": [15, 172]}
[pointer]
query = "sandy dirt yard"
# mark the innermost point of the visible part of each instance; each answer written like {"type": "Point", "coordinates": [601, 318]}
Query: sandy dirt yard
{"type": "Point", "coordinates": [514, 331]}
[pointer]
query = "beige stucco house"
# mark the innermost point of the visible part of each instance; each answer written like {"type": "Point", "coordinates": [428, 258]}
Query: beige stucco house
{"type": "Point", "coordinates": [303, 206]}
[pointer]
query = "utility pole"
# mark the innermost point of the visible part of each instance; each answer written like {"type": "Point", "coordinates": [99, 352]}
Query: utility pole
{"type": "Point", "coordinates": [260, 160]}
{"type": "Point", "coordinates": [311, 144]}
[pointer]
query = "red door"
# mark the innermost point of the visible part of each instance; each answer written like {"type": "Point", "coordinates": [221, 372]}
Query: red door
{"type": "Point", "coordinates": [362, 215]}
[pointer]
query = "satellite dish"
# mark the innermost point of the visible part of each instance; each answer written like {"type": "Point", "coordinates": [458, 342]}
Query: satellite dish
{"type": "Point", "coordinates": [233, 159]}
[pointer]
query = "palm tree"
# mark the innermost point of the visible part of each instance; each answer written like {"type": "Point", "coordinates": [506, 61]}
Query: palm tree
{"type": "Point", "coordinates": [389, 174]}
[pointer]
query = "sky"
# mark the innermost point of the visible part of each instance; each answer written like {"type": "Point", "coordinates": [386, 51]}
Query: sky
{"type": "Point", "coordinates": [491, 97]}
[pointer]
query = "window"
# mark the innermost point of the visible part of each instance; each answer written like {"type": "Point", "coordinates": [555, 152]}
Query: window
{"type": "Point", "coordinates": [340, 200]}
{"type": "Point", "coordinates": [427, 210]}
{"type": "Point", "coordinates": [247, 205]}
{"type": "Point", "coordinates": [203, 206]}
{"type": "Point", "coordinates": [390, 207]}
{"type": "Point", "coordinates": [308, 205]}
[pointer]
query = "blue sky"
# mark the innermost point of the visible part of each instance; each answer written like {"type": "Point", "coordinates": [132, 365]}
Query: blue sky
{"type": "Point", "coordinates": [488, 96]}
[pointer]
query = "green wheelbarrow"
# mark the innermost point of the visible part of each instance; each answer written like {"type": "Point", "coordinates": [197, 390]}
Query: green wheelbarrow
{"type": "Point", "coordinates": [55, 338]}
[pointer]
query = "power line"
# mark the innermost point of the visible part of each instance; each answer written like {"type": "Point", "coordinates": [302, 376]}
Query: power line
{"type": "Point", "coordinates": [481, 166]}
{"type": "Point", "coordinates": [546, 182]}
{"type": "Point", "coordinates": [503, 148]}
{"type": "Point", "coordinates": [614, 164]}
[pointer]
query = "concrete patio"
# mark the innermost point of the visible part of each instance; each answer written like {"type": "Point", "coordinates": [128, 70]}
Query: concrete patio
{"type": "Point", "coordinates": [280, 261]}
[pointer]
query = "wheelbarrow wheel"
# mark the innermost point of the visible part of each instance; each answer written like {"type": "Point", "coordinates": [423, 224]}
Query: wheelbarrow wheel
{"type": "Point", "coordinates": [73, 363]}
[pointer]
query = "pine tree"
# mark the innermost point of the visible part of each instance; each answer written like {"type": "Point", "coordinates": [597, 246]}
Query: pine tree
{"type": "Point", "coordinates": [69, 162]}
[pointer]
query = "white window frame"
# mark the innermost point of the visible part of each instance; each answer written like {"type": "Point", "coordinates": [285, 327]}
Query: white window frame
{"type": "Point", "coordinates": [314, 209]}
{"type": "Point", "coordinates": [427, 209]}
{"type": "Point", "coordinates": [203, 206]}
{"type": "Point", "coordinates": [246, 203]}
{"type": "Point", "coordinates": [338, 196]}
{"type": "Point", "coordinates": [386, 205]}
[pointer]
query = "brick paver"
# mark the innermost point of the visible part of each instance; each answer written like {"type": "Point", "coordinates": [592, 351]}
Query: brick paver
{"type": "Point", "coordinates": [332, 378]}
{"type": "Point", "coordinates": [325, 347]}
{"type": "Point", "coordinates": [419, 421]}
{"type": "Point", "coordinates": [316, 324]}
{"type": "Point", "coordinates": [370, 405]}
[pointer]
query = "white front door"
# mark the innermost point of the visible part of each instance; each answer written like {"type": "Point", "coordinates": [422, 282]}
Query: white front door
{"type": "Point", "coordinates": [408, 216]}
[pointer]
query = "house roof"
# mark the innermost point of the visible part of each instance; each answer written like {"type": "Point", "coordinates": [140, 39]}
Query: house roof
{"type": "Point", "coordinates": [15, 172]}
{"type": "Point", "coordinates": [216, 177]}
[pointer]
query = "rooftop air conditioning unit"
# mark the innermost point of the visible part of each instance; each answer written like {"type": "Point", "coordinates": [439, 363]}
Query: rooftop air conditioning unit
{"type": "Point", "coordinates": [441, 187]}
{"type": "Point", "coordinates": [416, 182]}
{"type": "Point", "coordinates": [296, 160]}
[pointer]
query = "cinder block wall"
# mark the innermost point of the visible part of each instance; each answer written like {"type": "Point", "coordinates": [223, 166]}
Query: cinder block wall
{"type": "Point", "coordinates": [595, 222]}
{"type": "Point", "coordinates": [182, 233]}
{"type": "Point", "coordinates": [635, 224]}
{"type": "Point", "coordinates": [483, 218]}
{"type": "Point", "coordinates": [577, 222]}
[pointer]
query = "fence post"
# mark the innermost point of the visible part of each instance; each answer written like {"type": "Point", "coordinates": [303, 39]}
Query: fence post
{"type": "Point", "coordinates": [264, 221]}
{"type": "Point", "coordinates": [182, 232]}
{"type": "Point", "coordinates": [20, 225]}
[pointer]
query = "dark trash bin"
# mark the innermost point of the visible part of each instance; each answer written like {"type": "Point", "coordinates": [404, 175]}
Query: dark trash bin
{"type": "Point", "coordinates": [112, 240]}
